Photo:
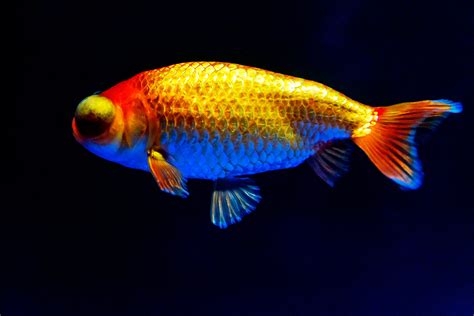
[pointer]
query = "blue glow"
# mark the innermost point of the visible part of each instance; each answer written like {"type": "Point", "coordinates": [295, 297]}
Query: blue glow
{"type": "Point", "coordinates": [232, 199]}
{"type": "Point", "coordinates": [456, 107]}
{"type": "Point", "coordinates": [134, 157]}
{"type": "Point", "coordinates": [208, 158]}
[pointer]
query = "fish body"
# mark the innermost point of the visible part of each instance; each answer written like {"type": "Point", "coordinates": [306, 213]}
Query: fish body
{"type": "Point", "coordinates": [236, 120]}
{"type": "Point", "coordinates": [222, 121]}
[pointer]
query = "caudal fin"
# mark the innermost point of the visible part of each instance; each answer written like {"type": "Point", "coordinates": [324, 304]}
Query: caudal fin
{"type": "Point", "coordinates": [390, 144]}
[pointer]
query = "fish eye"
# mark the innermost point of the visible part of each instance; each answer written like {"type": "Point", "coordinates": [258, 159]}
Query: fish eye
{"type": "Point", "coordinates": [94, 115]}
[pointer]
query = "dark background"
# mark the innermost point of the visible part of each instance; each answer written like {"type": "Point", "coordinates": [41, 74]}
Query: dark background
{"type": "Point", "coordinates": [84, 236]}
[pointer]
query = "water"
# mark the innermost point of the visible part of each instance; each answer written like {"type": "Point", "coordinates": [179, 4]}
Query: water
{"type": "Point", "coordinates": [87, 237]}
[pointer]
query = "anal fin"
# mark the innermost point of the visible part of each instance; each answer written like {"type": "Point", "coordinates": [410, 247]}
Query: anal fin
{"type": "Point", "coordinates": [331, 160]}
{"type": "Point", "coordinates": [232, 199]}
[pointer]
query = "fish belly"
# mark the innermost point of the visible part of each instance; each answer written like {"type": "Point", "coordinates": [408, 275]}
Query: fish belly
{"type": "Point", "coordinates": [211, 155]}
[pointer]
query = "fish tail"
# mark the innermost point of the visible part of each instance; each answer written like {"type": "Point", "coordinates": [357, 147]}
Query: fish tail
{"type": "Point", "coordinates": [390, 143]}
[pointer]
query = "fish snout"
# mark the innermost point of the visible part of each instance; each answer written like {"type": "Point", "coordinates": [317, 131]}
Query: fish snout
{"type": "Point", "coordinates": [94, 116]}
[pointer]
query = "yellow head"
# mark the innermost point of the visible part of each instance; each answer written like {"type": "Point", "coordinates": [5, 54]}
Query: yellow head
{"type": "Point", "coordinates": [94, 116]}
{"type": "Point", "coordinates": [98, 126]}
{"type": "Point", "coordinates": [112, 129]}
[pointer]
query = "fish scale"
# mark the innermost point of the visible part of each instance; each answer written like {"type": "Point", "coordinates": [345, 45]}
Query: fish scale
{"type": "Point", "coordinates": [264, 112]}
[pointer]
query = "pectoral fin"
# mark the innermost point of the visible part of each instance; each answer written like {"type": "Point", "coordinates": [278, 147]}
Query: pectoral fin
{"type": "Point", "coordinates": [166, 175]}
{"type": "Point", "coordinates": [232, 199]}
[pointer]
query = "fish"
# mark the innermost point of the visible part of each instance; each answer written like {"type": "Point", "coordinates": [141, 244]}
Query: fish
{"type": "Point", "coordinates": [224, 122]}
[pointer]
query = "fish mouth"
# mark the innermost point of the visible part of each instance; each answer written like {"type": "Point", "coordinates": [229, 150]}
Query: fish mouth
{"type": "Point", "coordinates": [76, 133]}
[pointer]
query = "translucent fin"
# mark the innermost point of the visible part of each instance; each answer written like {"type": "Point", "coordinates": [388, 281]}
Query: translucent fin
{"type": "Point", "coordinates": [331, 161]}
{"type": "Point", "coordinates": [232, 199]}
{"type": "Point", "coordinates": [454, 107]}
{"type": "Point", "coordinates": [433, 122]}
{"type": "Point", "coordinates": [167, 176]}
{"type": "Point", "coordinates": [390, 144]}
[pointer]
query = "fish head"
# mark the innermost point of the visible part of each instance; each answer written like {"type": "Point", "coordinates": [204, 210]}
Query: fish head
{"type": "Point", "coordinates": [93, 118]}
{"type": "Point", "coordinates": [113, 129]}
{"type": "Point", "coordinates": [98, 125]}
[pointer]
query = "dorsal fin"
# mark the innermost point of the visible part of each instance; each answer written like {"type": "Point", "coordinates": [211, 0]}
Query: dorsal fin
{"type": "Point", "coordinates": [331, 160]}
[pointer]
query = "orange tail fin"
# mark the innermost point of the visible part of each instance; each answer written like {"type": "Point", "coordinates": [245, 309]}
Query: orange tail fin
{"type": "Point", "coordinates": [391, 145]}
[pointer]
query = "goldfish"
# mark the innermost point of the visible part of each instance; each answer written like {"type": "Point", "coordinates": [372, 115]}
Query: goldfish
{"type": "Point", "coordinates": [225, 122]}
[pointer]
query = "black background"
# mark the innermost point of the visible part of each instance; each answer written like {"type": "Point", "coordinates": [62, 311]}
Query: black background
{"type": "Point", "coordinates": [89, 237]}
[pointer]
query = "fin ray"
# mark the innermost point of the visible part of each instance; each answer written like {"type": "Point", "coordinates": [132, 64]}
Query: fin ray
{"type": "Point", "coordinates": [390, 145]}
{"type": "Point", "coordinates": [166, 175]}
{"type": "Point", "coordinates": [232, 199]}
{"type": "Point", "coordinates": [331, 161]}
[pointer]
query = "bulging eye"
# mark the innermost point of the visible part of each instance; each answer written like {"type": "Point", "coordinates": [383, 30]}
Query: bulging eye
{"type": "Point", "coordinates": [94, 115]}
